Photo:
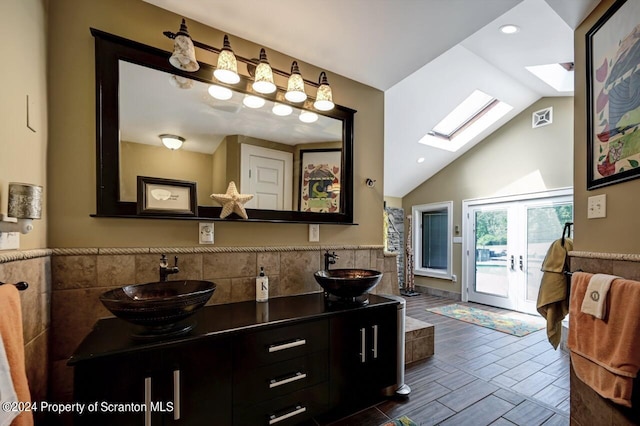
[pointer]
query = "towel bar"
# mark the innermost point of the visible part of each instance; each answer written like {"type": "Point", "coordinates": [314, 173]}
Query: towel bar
{"type": "Point", "coordinates": [22, 285]}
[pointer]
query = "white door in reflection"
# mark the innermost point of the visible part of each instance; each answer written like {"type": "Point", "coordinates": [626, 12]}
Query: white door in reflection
{"type": "Point", "coordinates": [506, 242]}
{"type": "Point", "coordinates": [268, 175]}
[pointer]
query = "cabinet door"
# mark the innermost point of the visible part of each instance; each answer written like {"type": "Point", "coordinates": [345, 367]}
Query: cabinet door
{"type": "Point", "coordinates": [186, 385]}
{"type": "Point", "coordinates": [362, 356]}
{"type": "Point", "coordinates": [197, 383]}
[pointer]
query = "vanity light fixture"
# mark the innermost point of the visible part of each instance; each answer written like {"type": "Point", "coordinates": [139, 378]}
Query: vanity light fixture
{"type": "Point", "coordinates": [184, 53]}
{"type": "Point", "coordinates": [172, 142]}
{"type": "Point", "coordinates": [295, 85]}
{"type": "Point", "coordinates": [219, 92]}
{"type": "Point", "coordinates": [308, 117]}
{"type": "Point", "coordinates": [281, 109]}
{"type": "Point", "coordinates": [263, 82]}
{"type": "Point", "coordinates": [227, 69]}
{"type": "Point", "coordinates": [181, 82]}
{"type": "Point", "coordinates": [324, 97]}
{"type": "Point", "coordinates": [252, 101]}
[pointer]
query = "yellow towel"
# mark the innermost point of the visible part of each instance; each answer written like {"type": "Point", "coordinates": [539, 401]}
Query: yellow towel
{"type": "Point", "coordinates": [605, 354]}
{"type": "Point", "coordinates": [11, 334]}
{"type": "Point", "coordinates": [595, 300]}
{"type": "Point", "coordinates": [553, 303]}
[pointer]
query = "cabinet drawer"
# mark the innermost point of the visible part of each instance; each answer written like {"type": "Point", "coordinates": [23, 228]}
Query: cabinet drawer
{"type": "Point", "coordinates": [266, 347]}
{"type": "Point", "coordinates": [271, 381]}
{"type": "Point", "coordinates": [290, 409]}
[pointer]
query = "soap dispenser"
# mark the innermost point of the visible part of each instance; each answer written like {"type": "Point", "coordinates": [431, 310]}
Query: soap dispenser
{"type": "Point", "coordinates": [262, 287]}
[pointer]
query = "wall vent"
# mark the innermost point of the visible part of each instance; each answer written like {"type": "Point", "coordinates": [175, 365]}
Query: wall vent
{"type": "Point", "coordinates": [542, 118]}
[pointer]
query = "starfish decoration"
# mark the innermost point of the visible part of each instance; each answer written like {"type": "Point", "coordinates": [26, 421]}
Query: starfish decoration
{"type": "Point", "coordinates": [232, 201]}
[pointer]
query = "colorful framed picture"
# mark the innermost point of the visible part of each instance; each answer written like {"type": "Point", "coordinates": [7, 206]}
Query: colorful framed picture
{"type": "Point", "coordinates": [320, 180]}
{"type": "Point", "coordinates": [166, 197]}
{"type": "Point", "coordinates": [613, 96]}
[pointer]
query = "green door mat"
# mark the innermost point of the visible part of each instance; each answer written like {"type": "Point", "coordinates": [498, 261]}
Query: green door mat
{"type": "Point", "coordinates": [402, 421]}
{"type": "Point", "coordinates": [513, 323]}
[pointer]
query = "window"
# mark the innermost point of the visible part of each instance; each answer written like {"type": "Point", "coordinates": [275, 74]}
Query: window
{"type": "Point", "coordinates": [432, 239]}
{"type": "Point", "coordinates": [473, 116]}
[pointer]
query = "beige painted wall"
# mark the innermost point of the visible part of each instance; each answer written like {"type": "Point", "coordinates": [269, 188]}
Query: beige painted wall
{"type": "Point", "coordinates": [22, 151]}
{"type": "Point", "coordinates": [137, 159]}
{"type": "Point", "coordinates": [516, 159]}
{"type": "Point", "coordinates": [72, 136]}
{"type": "Point", "coordinates": [617, 233]}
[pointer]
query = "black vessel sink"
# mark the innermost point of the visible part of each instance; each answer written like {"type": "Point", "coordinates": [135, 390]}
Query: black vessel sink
{"type": "Point", "coordinates": [158, 306]}
{"type": "Point", "coordinates": [348, 283]}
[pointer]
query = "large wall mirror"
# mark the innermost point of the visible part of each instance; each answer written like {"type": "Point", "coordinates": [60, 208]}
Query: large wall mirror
{"type": "Point", "coordinates": [298, 171]}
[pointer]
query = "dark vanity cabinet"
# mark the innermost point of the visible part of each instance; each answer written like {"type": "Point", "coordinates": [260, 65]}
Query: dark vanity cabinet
{"type": "Point", "coordinates": [168, 386]}
{"type": "Point", "coordinates": [306, 360]}
{"type": "Point", "coordinates": [363, 356]}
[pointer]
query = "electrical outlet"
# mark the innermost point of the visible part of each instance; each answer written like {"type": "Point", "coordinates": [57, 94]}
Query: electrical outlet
{"type": "Point", "coordinates": [597, 206]}
{"type": "Point", "coordinates": [314, 233]}
{"type": "Point", "coordinates": [9, 240]}
{"type": "Point", "coordinates": [205, 236]}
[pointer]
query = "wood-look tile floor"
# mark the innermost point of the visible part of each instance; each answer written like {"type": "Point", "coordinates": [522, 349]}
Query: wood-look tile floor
{"type": "Point", "coordinates": [478, 377]}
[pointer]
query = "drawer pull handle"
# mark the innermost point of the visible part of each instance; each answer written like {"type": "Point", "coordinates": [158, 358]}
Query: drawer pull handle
{"type": "Point", "coordinates": [147, 401]}
{"type": "Point", "coordinates": [363, 344]}
{"type": "Point", "coordinates": [289, 345]}
{"type": "Point", "coordinates": [298, 410]}
{"type": "Point", "coordinates": [298, 376]}
{"type": "Point", "coordinates": [176, 395]}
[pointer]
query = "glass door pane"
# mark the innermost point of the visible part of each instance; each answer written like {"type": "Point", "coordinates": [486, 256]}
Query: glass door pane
{"type": "Point", "coordinates": [491, 263]}
{"type": "Point", "coordinates": [544, 226]}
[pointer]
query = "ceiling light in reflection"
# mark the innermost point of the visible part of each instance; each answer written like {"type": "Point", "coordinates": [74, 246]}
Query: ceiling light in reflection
{"type": "Point", "coordinates": [281, 109]}
{"type": "Point", "coordinates": [308, 117]}
{"type": "Point", "coordinates": [420, 160]}
{"type": "Point", "coordinates": [253, 101]}
{"type": "Point", "coordinates": [220, 92]}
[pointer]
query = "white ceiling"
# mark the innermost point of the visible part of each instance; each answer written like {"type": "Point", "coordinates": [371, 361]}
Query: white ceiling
{"type": "Point", "coordinates": [427, 55]}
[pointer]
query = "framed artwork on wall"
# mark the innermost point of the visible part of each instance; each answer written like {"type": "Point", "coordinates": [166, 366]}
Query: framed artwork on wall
{"type": "Point", "coordinates": [166, 197]}
{"type": "Point", "coordinates": [613, 96]}
{"type": "Point", "coordinates": [320, 180]}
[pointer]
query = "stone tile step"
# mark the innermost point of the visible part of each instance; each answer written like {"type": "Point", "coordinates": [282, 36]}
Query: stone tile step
{"type": "Point", "coordinates": [419, 340]}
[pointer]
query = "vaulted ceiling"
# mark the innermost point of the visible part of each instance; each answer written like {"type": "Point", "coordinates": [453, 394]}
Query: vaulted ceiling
{"type": "Point", "coordinates": [441, 51]}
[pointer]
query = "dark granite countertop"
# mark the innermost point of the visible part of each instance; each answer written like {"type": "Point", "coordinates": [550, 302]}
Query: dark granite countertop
{"type": "Point", "coordinates": [112, 336]}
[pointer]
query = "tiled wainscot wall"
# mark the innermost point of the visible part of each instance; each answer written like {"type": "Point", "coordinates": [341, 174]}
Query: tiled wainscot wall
{"type": "Point", "coordinates": [587, 407]}
{"type": "Point", "coordinates": [79, 276]}
{"type": "Point", "coordinates": [33, 267]}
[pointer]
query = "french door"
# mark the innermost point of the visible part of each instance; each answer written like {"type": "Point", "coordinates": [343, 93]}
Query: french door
{"type": "Point", "coordinates": [506, 240]}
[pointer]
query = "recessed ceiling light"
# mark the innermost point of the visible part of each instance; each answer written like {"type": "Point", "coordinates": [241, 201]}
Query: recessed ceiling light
{"type": "Point", "coordinates": [420, 160]}
{"type": "Point", "coordinates": [509, 29]}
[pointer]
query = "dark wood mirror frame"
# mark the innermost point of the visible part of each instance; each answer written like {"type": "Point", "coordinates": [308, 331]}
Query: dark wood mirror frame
{"type": "Point", "coordinates": [109, 50]}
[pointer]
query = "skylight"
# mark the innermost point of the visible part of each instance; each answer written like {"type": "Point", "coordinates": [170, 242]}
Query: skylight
{"type": "Point", "coordinates": [558, 76]}
{"type": "Point", "coordinates": [475, 114]}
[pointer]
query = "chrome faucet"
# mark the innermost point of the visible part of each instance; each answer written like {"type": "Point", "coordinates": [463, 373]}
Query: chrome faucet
{"type": "Point", "coordinates": [330, 259]}
{"type": "Point", "coordinates": [166, 270]}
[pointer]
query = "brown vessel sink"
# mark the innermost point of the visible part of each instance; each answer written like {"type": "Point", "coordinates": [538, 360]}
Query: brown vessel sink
{"type": "Point", "coordinates": [348, 283]}
{"type": "Point", "coordinates": [158, 306]}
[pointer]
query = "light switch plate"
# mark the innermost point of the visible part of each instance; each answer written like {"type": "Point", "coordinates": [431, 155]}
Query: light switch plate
{"type": "Point", "coordinates": [205, 235]}
{"type": "Point", "coordinates": [597, 206]}
{"type": "Point", "coordinates": [9, 240]}
{"type": "Point", "coordinates": [314, 233]}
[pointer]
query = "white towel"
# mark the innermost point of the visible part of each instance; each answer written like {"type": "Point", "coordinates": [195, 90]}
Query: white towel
{"type": "Point", "coordinates": [595, 299]}
{"type": "Point", "coordinates": [7, 392]}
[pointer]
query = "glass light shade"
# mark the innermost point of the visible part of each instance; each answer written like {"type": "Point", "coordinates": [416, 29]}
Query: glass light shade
{"type": "Point", "coordinates": [263, 80]}
{"type": "Point", "coordinates": [184, 54]}
{"type": "Point", "coordinates": [295, 85]}
{"type": "Point", "coordinates": [324, 97]}
{"type": "Point", "coordinates": [172, 142]}
{"type": "Point", "coordinates": [227, 68]}
{"type": "Point", "coordinates": [308, 117]}
{"type": "Point", "coordinates": [253, 101]}
{"type": "Point", "coordinates": [219, 92]}
{"type": "Point", "coordinates": [181, 82]}
{"type": "Point", "coordinates": [281, 109]}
